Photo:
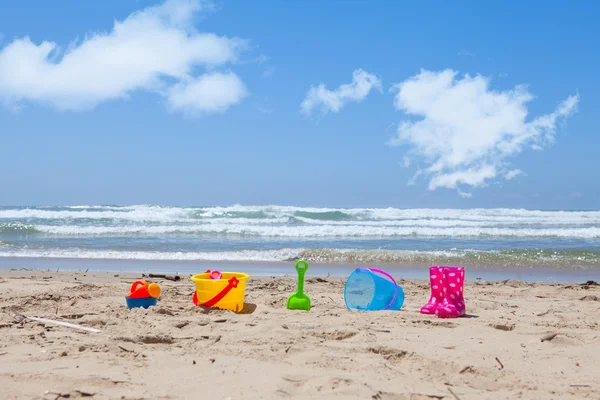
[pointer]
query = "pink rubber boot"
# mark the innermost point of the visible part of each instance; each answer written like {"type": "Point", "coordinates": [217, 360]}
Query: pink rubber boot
{"type": "Point", "coordinates": [453, 305]}
{"type": "Point", "coordinates": [437, 290]}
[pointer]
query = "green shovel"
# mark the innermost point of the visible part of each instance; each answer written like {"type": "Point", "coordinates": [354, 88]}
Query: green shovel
{"type": "Point", "coordinates": [299, 301]}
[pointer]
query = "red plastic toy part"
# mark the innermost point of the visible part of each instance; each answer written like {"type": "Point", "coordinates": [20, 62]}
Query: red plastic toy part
{"type": "Point", "coordinates": [143, 289]}
{"type": "Point", "coordinates": [231, 284]}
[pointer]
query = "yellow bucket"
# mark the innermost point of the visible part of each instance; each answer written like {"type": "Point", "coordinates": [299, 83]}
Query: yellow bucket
{"type": "Point", "coordinates": [225, 293]}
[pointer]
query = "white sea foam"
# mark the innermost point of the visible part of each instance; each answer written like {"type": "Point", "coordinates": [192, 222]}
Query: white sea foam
{"type": "Point", "coordinates": [444, 222]}
{"type": "Point", "coordinates": [174, 214]}
{"type": "Point", "coordinates": [244, 255]}
{"type": "Point", "coordinates": [318, 231]}
{"type": "Point", "coordinates": [138, 213]}
{"type": "Point", "coordinates": [524, 257]}
{"type": "Point", "coordinates": [298, 222]}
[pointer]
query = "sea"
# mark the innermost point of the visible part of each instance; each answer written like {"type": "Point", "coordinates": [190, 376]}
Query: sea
{"type": "Point", "coordinates": [271, 238]}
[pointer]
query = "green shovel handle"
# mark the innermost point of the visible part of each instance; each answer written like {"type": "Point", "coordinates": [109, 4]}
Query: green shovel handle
{"type": "Point", "coordinates": [301, 272]}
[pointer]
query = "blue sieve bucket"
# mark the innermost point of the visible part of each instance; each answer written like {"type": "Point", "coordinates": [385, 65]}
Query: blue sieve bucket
{"type": "Point", "coordinates": [367, 291]}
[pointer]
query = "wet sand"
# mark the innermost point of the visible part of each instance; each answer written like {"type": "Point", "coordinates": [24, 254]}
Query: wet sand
{"type": "Point", "coordinates": [546, 274]}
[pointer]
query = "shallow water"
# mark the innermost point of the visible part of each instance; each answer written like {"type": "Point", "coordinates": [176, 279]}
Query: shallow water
{"type": "Point", "coordinates": [470, 237]}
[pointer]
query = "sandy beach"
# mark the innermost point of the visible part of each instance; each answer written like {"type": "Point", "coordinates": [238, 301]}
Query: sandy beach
{"type": "Point", "coordinates": [178, 351]}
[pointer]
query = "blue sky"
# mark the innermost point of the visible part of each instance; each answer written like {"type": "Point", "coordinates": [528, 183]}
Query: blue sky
{"type": "Point", "coordinates": [208, 108]}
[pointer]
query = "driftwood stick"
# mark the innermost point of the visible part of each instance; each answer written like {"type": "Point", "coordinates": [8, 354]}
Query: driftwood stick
{"type": "Point", "coordinates": [21, 318]}
{"type": "Point", "coordinates": [453, 394]}
{"type": "Point", "coordinates": [500, 362]}
{"type": "Point", "coordinates": [174, 278]}
{"type": "Point", "coordinates": [466, 369]}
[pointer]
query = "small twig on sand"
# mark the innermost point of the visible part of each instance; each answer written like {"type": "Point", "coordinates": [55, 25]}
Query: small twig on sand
{"type": "Point", "coordinates": [500, 362]}
{"type": "Point", "coordinates": [380, 330]}
{"type": "Point", "coordinates": [549, 337]}
{"type": "Point", "coordinates": [21, 318]}
{"type": "Point", "coordinates": [453, 394]}
{"type": "Point", "coordinates": [468, 368]}
{"type": "Point", "coordinates": [126, 349]}
{"type": "Point", "coordinates": [579, 385]}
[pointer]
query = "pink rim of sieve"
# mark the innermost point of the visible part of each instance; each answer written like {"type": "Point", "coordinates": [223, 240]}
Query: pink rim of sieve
{"type": "Point", "coordinates": [215, 274]}
{"type": "Point", "coordinates": [389, 276]}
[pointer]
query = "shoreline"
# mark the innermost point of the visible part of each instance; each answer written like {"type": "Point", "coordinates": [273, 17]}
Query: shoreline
{"type": "Point", "coordinates": [282, 269]}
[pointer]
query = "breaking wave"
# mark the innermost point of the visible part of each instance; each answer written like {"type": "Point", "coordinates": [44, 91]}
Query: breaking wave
{"type": "Point", "coordinates": [297, 222]}
{"type": "Point", "coordinates": [515, 257]}
{"type": "Point", "coordinates": [486, 237]}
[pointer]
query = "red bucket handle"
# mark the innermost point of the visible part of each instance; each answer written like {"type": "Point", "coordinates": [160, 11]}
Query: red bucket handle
{"type": "Point", "coordinates": [232, 283]}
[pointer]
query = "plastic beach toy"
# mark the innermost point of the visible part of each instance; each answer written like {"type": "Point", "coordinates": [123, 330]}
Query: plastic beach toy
{"type": "Point", "coordinates": [142, 294]}
{"type": "Point", "coordinates": [299, 300]}
{"type": "Point", "coordinates": [228, 292]}
{"type": "Point", "coordinates": [141, 289]}
{"type": "Point", "coordinates": [143, 302]}
{"type": "Point", "coordinates": [367, 290]}
{"type": "Point", "coordinates": [447, 297]}
{"type": "Point", "coordinates": [215, 274]}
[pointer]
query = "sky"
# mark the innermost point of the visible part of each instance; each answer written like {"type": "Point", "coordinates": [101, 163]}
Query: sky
{"type": "Point", "coordinates": [351, 103]}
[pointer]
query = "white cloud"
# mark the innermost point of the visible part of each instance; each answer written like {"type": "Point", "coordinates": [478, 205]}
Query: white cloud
{"type": "Point", "coordinates": [209, 93]}
{"type": "Point", "coordinates": [156, 49]}
{"type": "Point", "coordinates": [466, 131]}
{"type": "Point", "coordinates": [512, 173]}
{"type": "Point", "coordinates": [406, 162]}
{"type": "Point", "coordinates": [326, 100]}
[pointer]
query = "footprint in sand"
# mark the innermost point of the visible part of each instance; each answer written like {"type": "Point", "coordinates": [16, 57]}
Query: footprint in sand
{"type": "Point", "coordinates": [391, 355]}
{"type": "Point", "coordinates": [335, 335]}
{"type": "Point", "coordinates": [339, 382]}
{"type": "Point", "coordinates": [290, 385]}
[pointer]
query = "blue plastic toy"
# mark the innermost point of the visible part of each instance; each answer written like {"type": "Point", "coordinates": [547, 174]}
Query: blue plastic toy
{"type": "Point", "coordinates": [367, 291]}
{"type": "Point", "coordinates": [144, 302]}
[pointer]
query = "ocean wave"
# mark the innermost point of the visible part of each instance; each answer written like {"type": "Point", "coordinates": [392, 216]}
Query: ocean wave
{"type": "Point", "coordinates": [165, 214]}
{"type": "Point", "coordinates": [297, 222]}
{"type": "Point", "coordinates": [516, 257]}
{"type": "Point", "coordinates": [316, 231]}
{"type": "Point", "coordinates": [445, 223]}
{"type": "Point", "coordinates": [138, 213]}
{"type": "Point", "coordinates": [244, 255]}
{"type": "Point", "coordinates": [18, 228]}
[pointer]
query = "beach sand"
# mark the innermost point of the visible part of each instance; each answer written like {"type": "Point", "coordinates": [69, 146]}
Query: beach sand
{"type": "Point", "coordinates": [177, 351]}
